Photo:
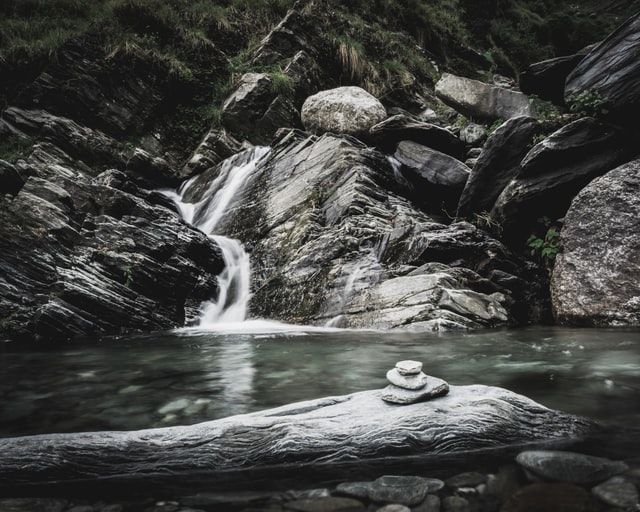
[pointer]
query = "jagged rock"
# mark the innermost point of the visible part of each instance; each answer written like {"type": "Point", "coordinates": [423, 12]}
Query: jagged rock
{"type": "Point", "coordinates": [481, 101]}
{"type": "Point", "coordinates": [214, 148]}
{"type": "Point", "coordinates": [553, 172]}
{"type": "Point", "coordinates": [255, 111]}
{"type": "Point", "coordinates": [612, 69]}
{"type": "Point", "coordinates": [10, 180]}
{"type": "Point", "coordinates": [437, 178]}
{"type": "Point", "coordinates": [325, 433]}
{"type": "Point", "coordinates": [80, 257]}
{"type": "Point", "coordinates": [92, 147]}
{"type": "Point", "coordinates": [569, 467]}
{"type": "Point", "coordinates": [497, 165]}
{"type": "Point", "coordinates": [473, 134]}
{"type": "Point", "coordinates": [387, 134]}
{"type": "Point", "coordinates": [151, 171]}
{"type": "Point", "coordinates": [546, 79]}
{"type": "Point", "coordinates": [349, 110]}
{"type": "Point", "coordinates": [596, 275]}
{"type": "Point", "coordinates": [617, 492]}
{"type": "Point", "coordinates": [285, 41]}
{"type": "Point", "coordinates": [330, 242]}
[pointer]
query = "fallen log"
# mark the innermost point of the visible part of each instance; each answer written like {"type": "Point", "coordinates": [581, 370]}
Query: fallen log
{"type": "Point", "coordinates": [356, 428]}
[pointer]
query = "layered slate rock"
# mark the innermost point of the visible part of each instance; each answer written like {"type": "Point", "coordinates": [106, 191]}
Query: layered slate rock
{"type": "Point", "coordinates": [596, 275]}
{"type": "Point", "coordinates": [497, 165]}
{"type": "Point", "coordinates": [349, 110]}
{"type": "Point", "coordinates": [84, 256]}
{"type": "Point", "coordinates": [546, 79]}
{"type": "Point", "coordinates": [255, 110]}
{"type": "Point", "coordinates": [330, 230]}
{"type": "Point", "coordinates": [326, 433]}
{"type": "Point", "coordinates": [479, 100]}
{"type": "Point", "coordinates": [437, 179]}
{"type": "Point", "coordinates": [554, 171]}
{"type": "Point", "coordinates": [387, 134]}
{"type": "Point", "coordinates": [612, 70]}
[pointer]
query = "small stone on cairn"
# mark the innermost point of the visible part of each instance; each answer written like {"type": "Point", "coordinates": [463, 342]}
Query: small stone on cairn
{"type": "Point", "coordinates": [409, 384]}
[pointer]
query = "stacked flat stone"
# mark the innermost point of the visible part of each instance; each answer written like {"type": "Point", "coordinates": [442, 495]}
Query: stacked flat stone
{"type": "Point", "coordinates": [409, 384]}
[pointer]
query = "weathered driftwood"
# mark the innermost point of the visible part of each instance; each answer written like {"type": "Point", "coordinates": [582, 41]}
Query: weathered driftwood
{"type": "Point", "coordinates": [355, 428]}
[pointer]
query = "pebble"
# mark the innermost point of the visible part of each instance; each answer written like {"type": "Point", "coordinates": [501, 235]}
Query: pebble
{"type": "Point", "coordinates": [417, 381]}
{"type": "Point", "coordinates": [617, 492]}
{"type": "Point", "coordinates": [455, 504]}
{"type": "Point", "coordinates": [469, 479]}
{"type": "Point", "coordinates": [394, 508]}
{"type": "Point", "coordinates": [408, 367]}
{"type": "Point", "coordinates": [569, 467]}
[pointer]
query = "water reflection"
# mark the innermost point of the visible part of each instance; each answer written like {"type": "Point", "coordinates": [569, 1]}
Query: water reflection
{"type": "Point", "coordinates": [191, 376]}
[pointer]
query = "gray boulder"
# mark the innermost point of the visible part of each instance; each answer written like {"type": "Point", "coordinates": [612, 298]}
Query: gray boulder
{"type": "Point", "coordinates": [595, 278]}
{"type": "Point", "coordinates": [255, 111]}
{"type": "Point", "coordinates": [553, 172]}
{"type": "Point", "coordinates": [497, 165]}
{"type": "Point", "coordinates": [323, 434]}
{"type": "Point", "coordinates": [387, 134]}
{"type": "Point", "coordinates": [612, 69]}
{"type": "Point", "coordinates": [473, 134]}
{"type": "Point", "coordinates": [479, 100]}
{"type": "Point", "coordinates": [349, 110]}
{"type": "Point", "coordinates": [437, 179]}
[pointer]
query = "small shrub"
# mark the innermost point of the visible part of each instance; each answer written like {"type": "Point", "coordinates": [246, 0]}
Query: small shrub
{"type": "Point", "coordinates": [588, 104]}
{"type": "Point", "coordinates": [545, 248]}
{"type": "Point", "coordinates": [281, 83]}
{"type": "Point", "coordinates": [494, 126]}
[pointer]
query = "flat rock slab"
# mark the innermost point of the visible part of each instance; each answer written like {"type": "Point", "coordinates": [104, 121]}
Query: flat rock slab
{"type": "Point", "coordinates": [327, 432]}
{"type": "Point", "coordinates": [401, 395]}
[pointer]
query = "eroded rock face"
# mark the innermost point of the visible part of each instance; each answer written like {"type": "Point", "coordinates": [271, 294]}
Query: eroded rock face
{"type": "Point", "coordinates": [554, 171]}
{"type": "Point", "coordinates": [81, 257]}
{"type": "Point", "coordinates": [347, 110]}
{"type": "Point", "coordinates": [546, 79]}
{"type": "Point", "coordinates": [480, 100]}
{"type": "Point", "coordinates": [332, 243]}
{"type": "Point", "coordinates": [595, 278]}
{"type": "Point", "coordinates": [612, 69]}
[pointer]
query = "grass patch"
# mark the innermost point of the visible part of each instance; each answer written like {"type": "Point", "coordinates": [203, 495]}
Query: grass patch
{"type": "Point", "coordinates": [15, 147]}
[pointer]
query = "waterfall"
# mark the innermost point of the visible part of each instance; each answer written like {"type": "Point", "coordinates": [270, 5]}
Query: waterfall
{"type": "Point", "coordinates": [234, 282]}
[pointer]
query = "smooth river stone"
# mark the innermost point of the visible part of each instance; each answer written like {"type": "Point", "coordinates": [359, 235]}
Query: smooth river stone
{"type": "Point", "coordinates": [435, 387]}
{"type": "Point", "coordinates": [412, 382]}
{"type": "Point", "coordinates": [570, 467]}
{"type": "Point", "coordinates": [409, 367]}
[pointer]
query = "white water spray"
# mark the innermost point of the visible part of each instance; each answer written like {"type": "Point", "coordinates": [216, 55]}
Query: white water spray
{"type": "Point", "coordinates": [234, 282]}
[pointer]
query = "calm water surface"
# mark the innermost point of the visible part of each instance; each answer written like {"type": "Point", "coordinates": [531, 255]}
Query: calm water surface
{"type": "Point", "coordinates": [187, 377]}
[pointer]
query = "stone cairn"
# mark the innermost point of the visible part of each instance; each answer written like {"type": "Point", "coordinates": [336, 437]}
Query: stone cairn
{"type": "Point", "coordinates": [409, 384]}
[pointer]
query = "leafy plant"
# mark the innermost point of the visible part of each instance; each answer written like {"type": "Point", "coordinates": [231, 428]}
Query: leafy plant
{"type": "Point", "coordinates": [484, 221]}
{"type": "Point", "coordinates": [537, 139]}
{"type": "Point", "coordinates": [128, 275]}
{"type": "Point", "coordinates": [494, 126]}
{"type": "Point", "coordinates": [588, 103]}
{"type": "Point", "coordinates": [545, 248]}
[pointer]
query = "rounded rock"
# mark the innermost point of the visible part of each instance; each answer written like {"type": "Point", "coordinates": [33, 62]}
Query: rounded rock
{"type": "Point", "coordinates": [408, 367]}
{"type": "Point", "coordinates": [617, 492]}
{"type": "Point", "coordinates": [412, 382]}
{"type": "Point", "coordinates": [404, 490]}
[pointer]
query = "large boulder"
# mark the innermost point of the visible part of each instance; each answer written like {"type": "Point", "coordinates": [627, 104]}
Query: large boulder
{"type": "Point", "coordinates": [482, 101]}
{"type": "Point", "coordinates": [497, 165]}
{"type": "Point", "coordinates": [595, 278]}
{"type": "Point", "coordinates": [255, 110]}
{"type": "Point", "coordinates": [554, 171]}
{"type": "Point", "coordinates": [322, 436]}
{"type": "Point", "coordinates": [437, 179]}
{"type": "Point", "coordinates": [327, 231]}
{"type": "Point", "coordinates": [612, 70]}
{"type": "Point", "coordinates": [387, 134]}
{"type": "Point", "coordinates": [348, 110]}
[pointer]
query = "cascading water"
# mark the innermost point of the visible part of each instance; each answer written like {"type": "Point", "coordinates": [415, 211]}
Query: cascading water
{"type": "Point", "coordinates": [234, 282]}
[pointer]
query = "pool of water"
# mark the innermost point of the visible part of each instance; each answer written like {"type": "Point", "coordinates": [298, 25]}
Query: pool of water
{"type": "Point", "coordinates": [189, 376]}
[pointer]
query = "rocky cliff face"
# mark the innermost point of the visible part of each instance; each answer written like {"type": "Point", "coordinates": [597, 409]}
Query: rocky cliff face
{"type": "Point", "coordinates": [344, 231]}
